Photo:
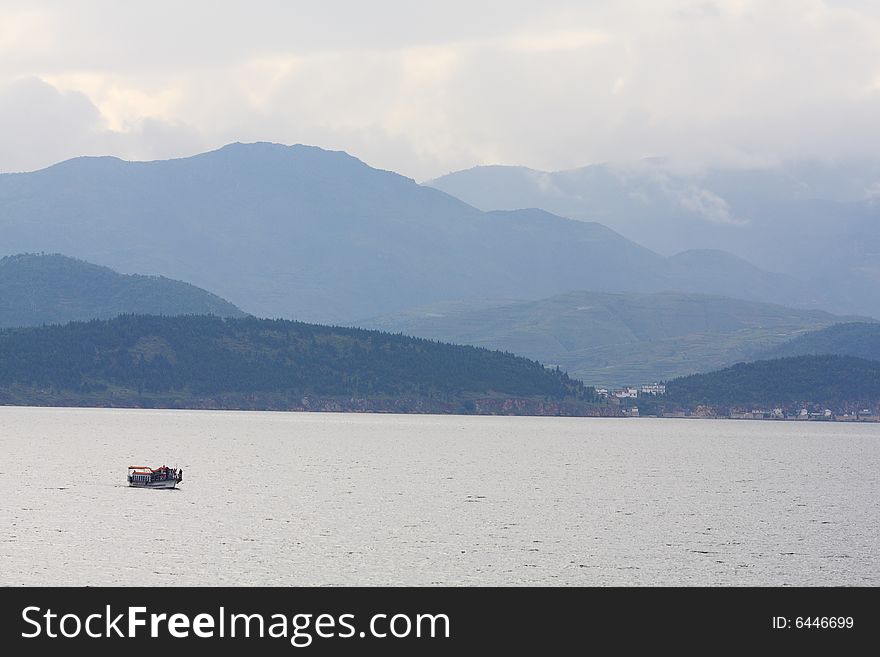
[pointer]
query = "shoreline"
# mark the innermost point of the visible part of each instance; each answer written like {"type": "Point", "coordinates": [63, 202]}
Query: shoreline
{"type": "Point", "coordinates": [340, 410]}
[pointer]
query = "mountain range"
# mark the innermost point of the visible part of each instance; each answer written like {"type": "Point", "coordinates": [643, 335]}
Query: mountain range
{"type": "Point", "coordinates": [40, 289]}
{"type": "Point", "coordinates": [300, 232]}
{"type": "Point", "coordinates": [818, 222]}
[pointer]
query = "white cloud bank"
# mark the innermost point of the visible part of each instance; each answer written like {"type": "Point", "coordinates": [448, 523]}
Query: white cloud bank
{"type": "Point", "coordinates": [425, 88]}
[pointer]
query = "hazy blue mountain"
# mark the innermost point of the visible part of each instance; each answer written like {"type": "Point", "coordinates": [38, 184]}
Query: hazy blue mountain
{"type": "Point", "coordinates": [208, 362]}
{"type": "Point", "coordinates": [818, 222]}
{"type": "Point", "coordinates": [318, 235]}
{"type": "Point", "coordinates": [615, 339]}
{"type": "Point", "coordinates": [858, 339]}
{"type": "Point", "coordinates": [54, 289]}
{"type": "Point", "coordinates": [729, 275]}
{"type": "Point", "coordinates": [835, 380]}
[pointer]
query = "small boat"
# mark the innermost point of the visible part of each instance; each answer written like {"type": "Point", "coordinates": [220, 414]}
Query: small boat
{"type": "Point", "coordinates": [142, 476]}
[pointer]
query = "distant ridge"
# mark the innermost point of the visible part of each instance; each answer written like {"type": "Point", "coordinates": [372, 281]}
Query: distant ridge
{"type": "Point", "coordinates": [812, 219]}
{"type": "Point", "coordinates": [316, 235]}
{"type": "Point", "coordinates": [40, 289]}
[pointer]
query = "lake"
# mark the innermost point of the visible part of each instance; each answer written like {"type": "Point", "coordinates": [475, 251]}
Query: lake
{"type": "Point", "coordinates": [363, 499]}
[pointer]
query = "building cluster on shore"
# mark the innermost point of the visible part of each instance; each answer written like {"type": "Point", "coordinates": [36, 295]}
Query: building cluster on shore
{"type": "Point", "coordinates": [652, 394]}
{"type": "Point", "coordinates": [797, 412]}
{"type": "Point", "coordinates": [623, 397]}
{"type": "Point", "coordinates": [633, 392]}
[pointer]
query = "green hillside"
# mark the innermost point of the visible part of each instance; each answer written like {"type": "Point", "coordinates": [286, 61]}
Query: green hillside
{"type": "Point", "coordinates": [192, 361]}
{"type": "Point", "coordinates": [822, 379]}
{"type": "Point", "coordinates": [53, 289]}
{"type": "Point", "coordinates": [615, 339]}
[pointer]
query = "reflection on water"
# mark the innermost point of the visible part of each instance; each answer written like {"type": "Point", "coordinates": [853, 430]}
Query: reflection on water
{"type": "Point", "coordinates": [338, 499]}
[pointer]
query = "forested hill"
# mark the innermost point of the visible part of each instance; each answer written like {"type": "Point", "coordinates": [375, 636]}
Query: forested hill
{"type": "Point", "coordinates": [40, 289]}
{"type": "Point", "coordinates": [207, 362]}
{"type": "Point", "coordinates": [821, 379]}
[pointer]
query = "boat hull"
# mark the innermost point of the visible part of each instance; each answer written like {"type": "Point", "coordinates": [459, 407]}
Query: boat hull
{"type": "Point", "coordinates": [170, 483]}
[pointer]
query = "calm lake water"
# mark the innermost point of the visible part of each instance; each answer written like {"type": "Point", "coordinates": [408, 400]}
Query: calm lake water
{"type": "Point", "coordinates": [345, 499]}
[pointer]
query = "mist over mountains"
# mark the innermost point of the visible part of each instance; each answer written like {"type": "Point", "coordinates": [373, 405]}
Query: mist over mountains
{"type": "Point", "coordinates": [817, 222]}
{"type": "Point", "coordinates": [300, 232]}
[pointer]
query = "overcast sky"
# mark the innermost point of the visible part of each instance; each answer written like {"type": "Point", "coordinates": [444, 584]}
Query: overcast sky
{"type": "Point", "coordinates": [425, 88]}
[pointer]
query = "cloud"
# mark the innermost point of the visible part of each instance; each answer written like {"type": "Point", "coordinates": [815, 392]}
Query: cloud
{"type": "Point", "coordinates": [561, 40]}
{"type": "Point", "coordinates": [25, 32]}
{"type": "Point", "coordinates": [43, 125]}
{"type": "Point", "coordinates": [707, 205]}
{"type": "Point", "coordinates": [425, 88]}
